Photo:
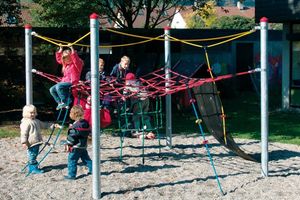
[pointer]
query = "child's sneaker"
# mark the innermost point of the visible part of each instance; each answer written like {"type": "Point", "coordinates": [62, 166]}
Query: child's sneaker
{"type": "Point", "coordinates": [62, 105]}
{"type": "Point", "coordinates": [59, 106]}
{"type": "Point", "coordinates": [69, 178]}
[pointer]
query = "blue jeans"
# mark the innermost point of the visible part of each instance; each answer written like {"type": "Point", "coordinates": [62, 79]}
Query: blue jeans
{"type": "Point", "coordinates": [73, 160]}
{"type": "Point", "coordinates": [32, 153]}
{"type": "Point", "coordinates": [61, 92]}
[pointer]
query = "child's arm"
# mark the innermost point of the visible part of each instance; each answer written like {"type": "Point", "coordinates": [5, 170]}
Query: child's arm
{"type": "Point", "coordinates": [76, 59]}
{"type": "Point", "coordinates": [24, 129]}
{"type": "Point", "coordinates": [58, 55]}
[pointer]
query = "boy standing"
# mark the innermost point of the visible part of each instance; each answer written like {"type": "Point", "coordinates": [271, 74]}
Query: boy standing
{"type": "Point", "coordinates": [77, 142]}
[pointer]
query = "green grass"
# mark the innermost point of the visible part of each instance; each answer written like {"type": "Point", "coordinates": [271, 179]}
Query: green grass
{"type": "Point", "coordinates": [11, 131]}
{"type": "Point", "coordinates": [243, 119]}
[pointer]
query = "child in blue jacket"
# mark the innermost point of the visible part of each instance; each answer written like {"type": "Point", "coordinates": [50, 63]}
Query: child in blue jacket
{"type": "Point", "coordinates": [77, 142]}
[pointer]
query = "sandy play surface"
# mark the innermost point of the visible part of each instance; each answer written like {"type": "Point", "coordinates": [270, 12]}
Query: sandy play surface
{"type": "Point", "coordinates": [183, 172]}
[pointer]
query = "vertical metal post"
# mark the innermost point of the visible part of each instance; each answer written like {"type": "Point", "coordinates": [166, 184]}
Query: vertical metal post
{"type": "Point", "coordinates": [168, 97]}
{"type": "Point", "coordinates": [264, 95]}
{"type": "Point", "coordinates": [94, 43]}
{"type": "Point", "coordinates": [286, 61]}
{"type": "Point", "coordinates": [28, 63]}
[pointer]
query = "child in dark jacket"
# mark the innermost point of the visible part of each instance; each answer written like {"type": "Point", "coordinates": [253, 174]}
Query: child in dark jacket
{"type": "Point", "coordinates": [77, 142]}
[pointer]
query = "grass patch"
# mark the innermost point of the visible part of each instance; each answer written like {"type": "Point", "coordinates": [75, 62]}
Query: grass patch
{"type": "Point", "coordinates": [9, 131]}
{"type": "Point", "coordinates": [243, 119]}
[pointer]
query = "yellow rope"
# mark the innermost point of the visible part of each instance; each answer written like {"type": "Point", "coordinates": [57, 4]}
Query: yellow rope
{"type": "Point", "coordinates": [212, 45]}
{"type": "Point", "coordinates": [131, 44]}
{"type": "Point", "coordinates": [238, 36]}
{"type": "Point", "coordinates": [64, 43]}
{"type": "Point", "coordinates": [59, 42]}
{"type": "Point", "coordinates": [187, 40]}
{"type": "Point", "coordinates": [81, 38]}
{"type": "Point", "coordinates": [215, 38]}
{"type": "Point", "coordinates": [128, 34]}
{"type": "Point", "coordinates": [55, 40]}
{"type": "Point", "coordinates": [46, 39]}
{"type": "Point", "coordinates": [222, 109]}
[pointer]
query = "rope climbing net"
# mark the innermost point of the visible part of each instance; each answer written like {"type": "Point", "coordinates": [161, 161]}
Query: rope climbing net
{"type": "Point", "coordinates": [155, 83]}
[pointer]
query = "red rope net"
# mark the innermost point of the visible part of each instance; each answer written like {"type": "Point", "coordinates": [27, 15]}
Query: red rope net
{"type": "Point", "coordinates": [158, 83]}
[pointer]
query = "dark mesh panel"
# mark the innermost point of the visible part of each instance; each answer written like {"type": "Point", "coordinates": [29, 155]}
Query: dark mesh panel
{"type": "Point", "coordinates": [209, 104]}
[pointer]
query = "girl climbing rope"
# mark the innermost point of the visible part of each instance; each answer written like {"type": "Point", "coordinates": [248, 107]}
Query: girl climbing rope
{"type": "Point", "coordinates": [71, 68]}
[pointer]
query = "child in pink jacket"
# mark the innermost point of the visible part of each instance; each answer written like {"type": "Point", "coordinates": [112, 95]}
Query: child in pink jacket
{"type": "Point", "coordinates": [71, 68]}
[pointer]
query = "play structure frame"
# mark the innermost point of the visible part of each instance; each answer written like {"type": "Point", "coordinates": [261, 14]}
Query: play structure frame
{"type": "Point", "coordinates": [95, 87]}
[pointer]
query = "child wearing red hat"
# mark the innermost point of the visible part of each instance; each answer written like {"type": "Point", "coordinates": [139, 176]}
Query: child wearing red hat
{"type": "Point", "coordinates": [139, 103]}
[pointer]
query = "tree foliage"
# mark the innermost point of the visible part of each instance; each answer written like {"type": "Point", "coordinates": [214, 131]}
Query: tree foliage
{"type": "Point", "coordinates": [205, 17]}
{"type": "Point", "coordinates": [234, 22]}
{"type": "Point", "coordinates": [124, 13]}
{"type": "Point", "coordinates": [10, 12]}
{"type": "Point", "coordinates": [63, 13]}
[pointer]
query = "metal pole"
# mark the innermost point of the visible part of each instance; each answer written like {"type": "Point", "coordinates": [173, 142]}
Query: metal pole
{"type": "Point", "coordinates": [28, 63]}
{"type": "Point", "coordinates": [264, 95]}
{"type": "Point", "coordinates": [168, 97]}
{"type": "Point", "coordinates": [94, 27]}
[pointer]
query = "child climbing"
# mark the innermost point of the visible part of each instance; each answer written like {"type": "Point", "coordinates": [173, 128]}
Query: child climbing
{"type": "Point", "coordinates": [139, 104]}
{"type": "Point", "coordinates": [71, 70]}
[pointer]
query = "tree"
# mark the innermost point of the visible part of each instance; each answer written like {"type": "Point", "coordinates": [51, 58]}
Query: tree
{"type": "Point", "coordinates": [234, 22]}
{"type": "Point", "coordinates": [125, 13]}
{"type": "Point", "coordinates": [74, 13]}
{"type": "Point", "coordinates": [63, 13]}
{"type": "Point", "coordinates": [10, 12]}
{"type": "Point", "coordinates": [204, 16]}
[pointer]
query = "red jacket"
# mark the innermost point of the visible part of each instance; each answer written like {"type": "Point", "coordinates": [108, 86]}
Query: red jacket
{"type": "Point", "coordinates": [72, 71]}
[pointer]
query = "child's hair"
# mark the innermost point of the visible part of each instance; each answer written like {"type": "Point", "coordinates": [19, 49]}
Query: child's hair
{"type": "Point", "coordinates": [101, 61]}
{"type": "Point", "coordinates": [76, 112]}
{"type": "Point", "coordinates": [125, 59]}
{"type": "Point", "coordinates": [101, 64]}
{"type": "Point", "coordinates": [27, 110]}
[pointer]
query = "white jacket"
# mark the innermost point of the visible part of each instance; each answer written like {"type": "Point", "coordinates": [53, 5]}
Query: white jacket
{"type": "Point", "coordinates": [31, 131]}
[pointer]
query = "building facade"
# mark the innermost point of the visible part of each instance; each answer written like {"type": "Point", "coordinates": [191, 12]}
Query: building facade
{"type": "Point", "coordinates": [288, 13]}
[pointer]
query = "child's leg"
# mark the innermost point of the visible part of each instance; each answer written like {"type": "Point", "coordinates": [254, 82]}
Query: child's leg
{"type": "Point", "coordinates": [32, 155]}
{"type": "Point", "coordinates": [136, 116]}
{"type": "Point", "coordinates": [73, 158]}
{"type": "Point", "coordinates": [63, 91]}
{"type": "Point", "coordinates": [87, 160]}
{"type": "Point", "coordinates": [53, 92]}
